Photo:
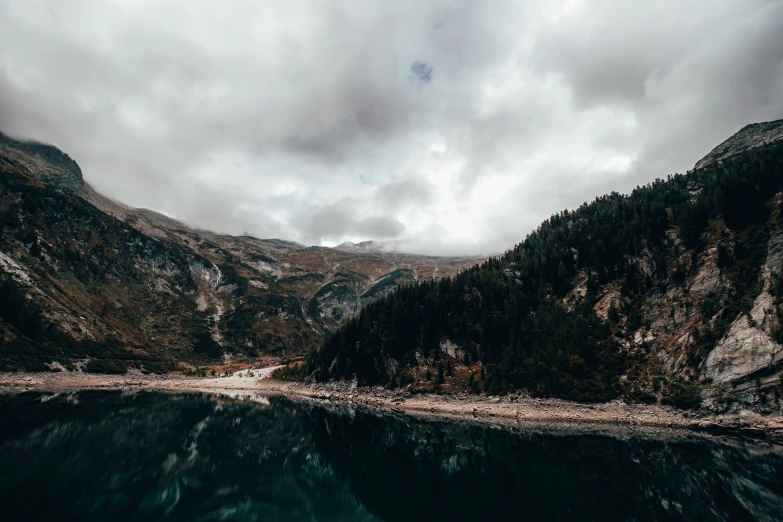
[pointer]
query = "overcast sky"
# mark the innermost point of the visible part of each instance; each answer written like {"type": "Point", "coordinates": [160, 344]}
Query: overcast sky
{"type": "Point", "coordinates": [459, 125]}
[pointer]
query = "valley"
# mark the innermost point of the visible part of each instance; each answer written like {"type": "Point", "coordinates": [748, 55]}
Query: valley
{"type": "Point", "coordinates": [671, 295]}
{"type": "Point", "coordinates": [133, 288]}
{"type": "Point", "coordinates": [358, 261]}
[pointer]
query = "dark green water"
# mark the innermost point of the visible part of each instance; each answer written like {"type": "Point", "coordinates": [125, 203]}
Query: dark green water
{"type": "Point", "coordinates": [154, 456]}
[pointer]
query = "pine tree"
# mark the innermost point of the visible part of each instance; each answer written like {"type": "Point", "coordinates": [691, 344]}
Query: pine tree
{"type": "Point", "coordinates": [507, 313]}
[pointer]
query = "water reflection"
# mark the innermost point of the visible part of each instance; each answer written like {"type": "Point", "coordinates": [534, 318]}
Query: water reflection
{"type": "Point", "coordinates": [154, 456]}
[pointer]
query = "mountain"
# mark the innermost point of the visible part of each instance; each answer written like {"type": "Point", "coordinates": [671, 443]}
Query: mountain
{"type": "Point", "coordinates": [671, 294]}
{"type": "Point", "coordinates": [43, 162]}
{"type": "Point", "coordinates": [89, 282]}
{"type": "Point", "coordinates": [395, 246]}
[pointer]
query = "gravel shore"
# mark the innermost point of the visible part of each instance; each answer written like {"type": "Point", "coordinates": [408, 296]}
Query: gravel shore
{"type": "Point", "coordinates": [508, 410]}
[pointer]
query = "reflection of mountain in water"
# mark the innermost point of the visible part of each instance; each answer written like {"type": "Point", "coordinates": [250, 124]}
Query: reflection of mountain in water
{"type": "Point", "coordinates": [107, 456]}
{"type": "Point", "coordinates": [100, 456]}
{"type": "Point", "coordinates": [409, 469]}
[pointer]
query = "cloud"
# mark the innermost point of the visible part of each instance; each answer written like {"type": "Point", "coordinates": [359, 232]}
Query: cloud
{"type": "Point", "coordinates": [405, 196]}
{"type": "Point", "coordinates": [456, 125]}
{"type": "Point", "coordinates": [421, 73]}
{"type": "Point", "coordinates": [347, 217]}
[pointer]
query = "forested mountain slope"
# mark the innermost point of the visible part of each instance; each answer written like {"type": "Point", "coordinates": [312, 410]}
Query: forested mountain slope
{"type": "Point", "coordinates": [672, 293]}
{"type": "Point", "coordinates": [89, 282]}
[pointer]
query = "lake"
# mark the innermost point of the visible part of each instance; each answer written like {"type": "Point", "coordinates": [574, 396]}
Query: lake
{"type": "Point", "coordinates": [96, 455]}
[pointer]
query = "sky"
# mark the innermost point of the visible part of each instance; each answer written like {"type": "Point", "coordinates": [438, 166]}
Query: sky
{"type": "Point", "coordinates": [453, 126]}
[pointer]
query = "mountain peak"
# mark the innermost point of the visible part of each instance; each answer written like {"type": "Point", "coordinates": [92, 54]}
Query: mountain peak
{"type": "Point", "coordinates": [749, 137]}
{"type": "Point", "coordinates": [45, 162]}
{"type": "Point", "coordinates": [370, 246]}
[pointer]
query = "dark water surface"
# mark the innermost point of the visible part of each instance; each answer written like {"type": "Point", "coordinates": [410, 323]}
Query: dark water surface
{"type": "Point", "coordinates": [156, 456]}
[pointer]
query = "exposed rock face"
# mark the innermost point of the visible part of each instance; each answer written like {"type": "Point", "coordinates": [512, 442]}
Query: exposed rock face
{"type": "Point", "coordinates": [744, 350]}
{"type": "Point", "coordinates": [748, 138]}
{"type": "Point", "coordinates": [48, 164]}
{"type": "Point", "coordinates": [748, 346]}
{"type": "Point", "coordinates": [744, 357]}
{"type": "Point", "coordinates": [708, 321]}
{"type": "Point", "coordinates": [609, 298]}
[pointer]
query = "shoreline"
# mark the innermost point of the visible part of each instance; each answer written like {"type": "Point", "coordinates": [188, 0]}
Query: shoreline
{"type": "Point", "coordinates": [515, 410]}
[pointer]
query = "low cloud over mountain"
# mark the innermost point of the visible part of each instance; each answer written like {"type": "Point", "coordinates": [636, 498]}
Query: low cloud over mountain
{"type": "Point", "coordinates": [456, 125]}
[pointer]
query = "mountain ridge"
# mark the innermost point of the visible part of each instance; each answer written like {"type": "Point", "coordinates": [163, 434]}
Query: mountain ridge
{"type": "Point", "coordinates": [122, 287]}
{"type": "Point", "coordinates": [747, 138]}
{"type": "Point", "coordinates": [45, 162]}
{"type": "Point", "coordinates": [670, 294]}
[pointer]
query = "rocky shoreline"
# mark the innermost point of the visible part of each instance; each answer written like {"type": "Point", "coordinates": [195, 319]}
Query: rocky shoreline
{"type": "Point", "coordinates": [514, 410]}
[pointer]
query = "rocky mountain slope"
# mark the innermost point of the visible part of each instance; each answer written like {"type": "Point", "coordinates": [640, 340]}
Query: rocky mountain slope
{"type": "Point", "coordinates": [85, 280]}
{"type": "Point", "coordinates": [672, 294]}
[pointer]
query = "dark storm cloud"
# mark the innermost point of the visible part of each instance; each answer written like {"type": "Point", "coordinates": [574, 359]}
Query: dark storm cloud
{"type": "Point", "coordinates": [457, 125]}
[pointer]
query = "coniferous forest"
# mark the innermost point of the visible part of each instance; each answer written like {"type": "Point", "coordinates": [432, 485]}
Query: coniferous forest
{"type": "Point", "coordinates": [510, 313]}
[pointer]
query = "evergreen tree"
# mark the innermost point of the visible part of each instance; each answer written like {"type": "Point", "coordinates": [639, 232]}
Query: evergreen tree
{"type": "Point", "coordinates": [507, 313]}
